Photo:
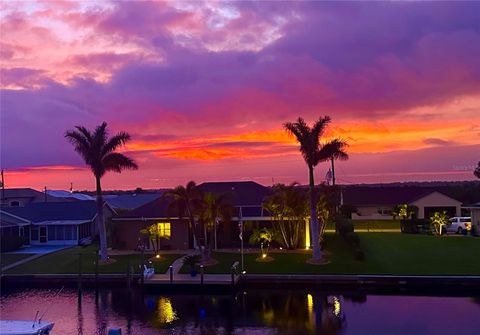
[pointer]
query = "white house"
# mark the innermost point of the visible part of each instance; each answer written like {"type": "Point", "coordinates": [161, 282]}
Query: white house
{"type": "Point", "coordinates": [376, 203]}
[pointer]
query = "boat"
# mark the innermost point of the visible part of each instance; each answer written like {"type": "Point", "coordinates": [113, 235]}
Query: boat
{"type": "Point", "coordinates": [19, 327]}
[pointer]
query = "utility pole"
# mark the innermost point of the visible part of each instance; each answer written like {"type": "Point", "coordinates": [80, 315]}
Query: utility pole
{"type": "Point", "coordinates": [45, 193]}
{"type": "Point", "coordinates": [3, 190]}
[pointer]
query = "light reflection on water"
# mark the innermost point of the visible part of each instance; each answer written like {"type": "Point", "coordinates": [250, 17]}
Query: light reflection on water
{"type": "Point", "coordinates": [252, 312]}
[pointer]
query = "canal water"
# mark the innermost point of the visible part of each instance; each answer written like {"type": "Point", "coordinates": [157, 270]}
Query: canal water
{"type": "Point", "coordinates": [247, 312]}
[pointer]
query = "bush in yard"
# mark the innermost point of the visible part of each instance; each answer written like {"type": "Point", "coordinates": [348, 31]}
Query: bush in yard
{"type": "Point", "coordinates": [344, 226]}
{"type": "Point", "coordinates": [11, 242]}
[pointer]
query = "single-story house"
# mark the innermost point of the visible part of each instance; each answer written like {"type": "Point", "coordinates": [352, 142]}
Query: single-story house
{"type": "Point", "coordinates": [56, 223]}
{"type": "Point", "coordinates": [12, 225]}
{"type": "Point", "coordinates": [475, 215]}
{"type": "Point", "coordinates": [246, 198]}
{"type": "Point", "coordinates": [376, 203]}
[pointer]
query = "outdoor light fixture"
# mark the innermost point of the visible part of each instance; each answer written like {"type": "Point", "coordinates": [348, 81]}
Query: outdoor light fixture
{"type": "Point", "coordinates": [157, 256]}
{"type": "Point", "coordinates": [264, 255]}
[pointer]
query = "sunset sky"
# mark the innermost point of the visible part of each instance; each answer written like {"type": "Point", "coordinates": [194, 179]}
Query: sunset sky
{"type": "Point", "coordinates": [204, 88]}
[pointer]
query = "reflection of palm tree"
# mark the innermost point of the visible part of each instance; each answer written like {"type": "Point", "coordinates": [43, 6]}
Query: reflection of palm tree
{"type": "Point", "coordinates": [313, 152]}
{"type": "Point", "coordinates": [98, 152]}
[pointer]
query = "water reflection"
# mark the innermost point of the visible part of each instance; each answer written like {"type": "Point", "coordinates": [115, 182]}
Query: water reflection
{"type": "Point", "coordinates": [252, 312]}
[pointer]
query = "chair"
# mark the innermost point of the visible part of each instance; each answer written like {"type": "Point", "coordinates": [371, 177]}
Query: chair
{"type": "Point", "coordinates": [148, 272]}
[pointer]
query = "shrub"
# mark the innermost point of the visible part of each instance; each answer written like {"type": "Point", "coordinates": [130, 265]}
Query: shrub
{"type": "Point", "coordinates": [344, 226]}
{"type": "Point", "coordinates": [11, 242]}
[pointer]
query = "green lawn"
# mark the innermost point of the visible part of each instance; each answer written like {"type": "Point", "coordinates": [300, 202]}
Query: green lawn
{"type": "Point", "coordinates": [386, 253]}
{"type": "Point", "coordinates": [374, 225]}
{"type": "Point", "coordinates": [7, 258]}
{"type": "Point", "coordinates": [66, 261]}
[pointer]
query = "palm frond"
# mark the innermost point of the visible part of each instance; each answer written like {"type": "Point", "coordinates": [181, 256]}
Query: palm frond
{"type": "Point", "coordinates": [335, 149]}
{"type": "Point", "coordinates": [118, 162]}
{"type": "Point", "coordinates": [115, 142]}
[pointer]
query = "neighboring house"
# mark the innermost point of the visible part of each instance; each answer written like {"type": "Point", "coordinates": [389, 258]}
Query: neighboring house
{"type": "Point", "coordinates": [19, 197]}
{"type": "Point", "coordinates": [376, 203]}
{"type": "Point", "coordinates": [246, 197]}
{"type": "Point", "coordinates": [11, 225]}
{"type": "Point", "coordinates": [57, 223]}
{"type": "Point", "coordinates": [128, 202]}
{"type": "Point", "coordinates": [475, 215]}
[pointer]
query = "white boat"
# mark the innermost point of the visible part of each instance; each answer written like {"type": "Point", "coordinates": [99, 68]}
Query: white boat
{"type": "Point", "coordinates": [16, 327]}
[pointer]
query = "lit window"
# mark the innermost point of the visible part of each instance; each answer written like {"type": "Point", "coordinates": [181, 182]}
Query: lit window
{"type": "Point", "coordinates": [164, 229]}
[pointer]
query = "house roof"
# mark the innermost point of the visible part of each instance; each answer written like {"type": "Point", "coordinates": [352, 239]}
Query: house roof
{"type": "Point", "coordinates": [243, 193]}
{"type": "Point", "coordinates": [9, 220]}
{"type": "Point", "coordinates": [246, 193]}
{"type": "Point", "coordinates": [154, 209]}
{"type": "Point", "coordinates": [385, 196]}
{"type": "Point", "coordinates": [29, 193]}
{"type": "Point", "coordinates": [69, 195]}
{"type": "Point", "coordinates": [55, 211]}
{"type": "Point", "coordinates": [131, 201]}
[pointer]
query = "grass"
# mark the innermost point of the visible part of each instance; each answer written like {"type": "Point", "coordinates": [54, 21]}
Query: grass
{"type": "Point", "coordinates": [7, 258]}
{"type": "Point", "coordinates": [376, 225]}
{"type": "Point", "coordinates": [66, 261]}
{"type": "Point", "coordinates": [373, 225]}
{"type": "Point", "coordinates": [386, 253]}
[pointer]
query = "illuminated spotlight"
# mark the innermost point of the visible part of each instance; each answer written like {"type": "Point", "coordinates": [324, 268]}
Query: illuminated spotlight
{"type": "Point", "coordinates": [244, 272]}
{"type": "Point", "coordinates": [264, 255]}
{"type": "Point", "coordinates": [157, 256]}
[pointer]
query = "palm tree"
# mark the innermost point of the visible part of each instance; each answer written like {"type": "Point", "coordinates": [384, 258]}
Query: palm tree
{"type": "Point", "coordinates": [185, 200]}
{"type": "Point", "coordinates": [214, 208]}
{"type": "Point", "coordinates": [289, 206]}
{"type": "Point", "coordinates": [313, 152]}
{"type": "Point", "coordinates": [335, 150]}
{"type": "Point", "coordinates": [98, 152]}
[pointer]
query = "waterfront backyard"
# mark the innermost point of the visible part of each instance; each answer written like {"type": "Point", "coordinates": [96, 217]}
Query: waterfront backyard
{"type": "Point", "coordinates": [385, 253]}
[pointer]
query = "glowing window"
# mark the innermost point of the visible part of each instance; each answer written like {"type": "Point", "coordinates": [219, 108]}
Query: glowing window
{"type": "Point", "coordinates": [164, 229]}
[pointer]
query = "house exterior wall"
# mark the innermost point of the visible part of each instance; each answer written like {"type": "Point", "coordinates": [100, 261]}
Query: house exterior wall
{"type": "Point", "coordinates": [475, 214]}
{"type": "Point", "coordinates": [436, 199]}
{"type": "Point", "coordinates": [371, 213]}
{"type": "Point", "coordinates": [127, 234]}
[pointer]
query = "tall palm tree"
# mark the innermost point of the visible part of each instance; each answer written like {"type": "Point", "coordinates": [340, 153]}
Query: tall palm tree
{"type": "Point", "coordinates": [185, 200]}
{"type": "Point", "coordinates": [335, 150]}
{"type": "Point", "coordinates": [98, 151]}
{"type": "Point", "coordinates": [313, 152]}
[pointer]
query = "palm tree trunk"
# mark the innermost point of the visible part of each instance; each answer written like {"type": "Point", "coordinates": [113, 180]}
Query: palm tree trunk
{"type": "Point", "coordinates": [313, 218]}
{"type": "Point", "coordinates": [333, 171]}
{"type": "Point", "coordinates": [101, 222]}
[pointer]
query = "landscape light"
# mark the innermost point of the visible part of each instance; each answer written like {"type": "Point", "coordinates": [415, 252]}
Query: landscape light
{"type": "Point", "coordinates": [264, 255]}
{"type": "Point", "coordinates": [157, 256]}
